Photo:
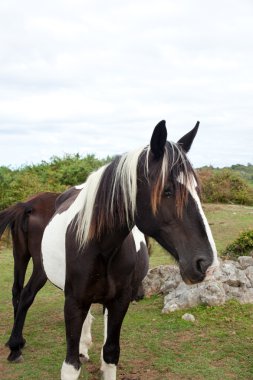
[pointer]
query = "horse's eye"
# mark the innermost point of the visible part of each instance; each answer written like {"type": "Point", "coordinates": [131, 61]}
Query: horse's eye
{"type": "Point", "coordinates": [168, 192]}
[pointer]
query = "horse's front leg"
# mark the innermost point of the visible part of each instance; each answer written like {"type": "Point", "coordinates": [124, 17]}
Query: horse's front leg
{"type": "Point", "coordinates": [86, 339]}
{"type": "Point", "coordinates": [113, 317]}
{"type": "Point", "coordinates": [74, 318]}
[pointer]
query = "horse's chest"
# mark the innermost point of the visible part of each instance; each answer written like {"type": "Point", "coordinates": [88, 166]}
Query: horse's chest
{"type": "Point", "coordinates": [92, 277]}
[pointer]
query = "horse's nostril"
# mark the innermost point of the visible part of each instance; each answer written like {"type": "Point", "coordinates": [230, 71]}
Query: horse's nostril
{"type": "Point", "coordinates": [202, 266]}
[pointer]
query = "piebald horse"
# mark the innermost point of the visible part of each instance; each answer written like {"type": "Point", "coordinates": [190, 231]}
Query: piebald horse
{"type": "Point", "coordinates": [154, 188]}
{"type": "Point", "coordinates": [27, 221]}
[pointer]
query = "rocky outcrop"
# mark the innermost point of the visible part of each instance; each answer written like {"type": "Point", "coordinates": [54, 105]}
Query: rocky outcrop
{"type": "Point", "coordinates": [233, 280]}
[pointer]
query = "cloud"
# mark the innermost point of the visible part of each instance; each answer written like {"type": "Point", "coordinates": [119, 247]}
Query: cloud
{"type": "Point", "coordinates": [93, 76]}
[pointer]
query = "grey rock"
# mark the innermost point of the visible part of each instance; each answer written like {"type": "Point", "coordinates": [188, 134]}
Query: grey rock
{"type": "Point", "coordinates": [245, 261]}
{"type": "Point", "coordinates": [233, 280]}
{"type": "Point", "coordinates": [170, 308]}
{"type": "Point", "coordinates": [249, 274]}
{"type": "Point", "coordinates": [212, 294]}
{"type": "Point", "coordinates": [188, 317]}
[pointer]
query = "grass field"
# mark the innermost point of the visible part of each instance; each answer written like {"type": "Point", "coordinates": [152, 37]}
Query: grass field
{"type": "Point", "coordinates": [219, 345]}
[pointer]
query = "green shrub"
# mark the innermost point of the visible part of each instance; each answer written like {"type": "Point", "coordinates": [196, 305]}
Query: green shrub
{"type": "Point", "coordinates": [69, 170]}
{"type": "Point", "coordinates": [242, 246]}
{"type": "Point", "coordinates": [225, 186]}
{"type": "Point", "coordinates": [56, 175]}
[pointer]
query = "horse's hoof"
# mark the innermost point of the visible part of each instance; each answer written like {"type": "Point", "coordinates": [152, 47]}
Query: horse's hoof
{"type": "Point", "coordinates": [15, 357]}
{"type": "Point", "coordinates": [83, 359]}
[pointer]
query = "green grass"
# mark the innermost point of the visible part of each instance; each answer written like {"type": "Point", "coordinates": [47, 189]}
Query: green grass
{"type": "Point", "coordinates": [228, 221]}
{"type": "Point", "coordinates": [218, 346]}
{"type": "Point", "coordinates": [154, 345]}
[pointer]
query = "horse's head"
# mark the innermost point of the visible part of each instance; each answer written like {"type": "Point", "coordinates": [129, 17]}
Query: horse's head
{"type": "Point", "coordinates": [168, 207]}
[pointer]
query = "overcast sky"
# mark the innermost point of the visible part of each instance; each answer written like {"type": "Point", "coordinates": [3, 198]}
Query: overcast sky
{"type": "Point", "coordinates": [96, 76]}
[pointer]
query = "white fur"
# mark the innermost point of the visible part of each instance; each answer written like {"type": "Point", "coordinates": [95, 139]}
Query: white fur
{"type": "Point", "coordinates": [80, 187]}
{"type": "Point", "coordinates": [109, 371]}
{"type": "Point", "coordinates": [105, 336]}
{"type": "Point", "coordinates": [53, 243]}
{"type": "Point", "coordinates": [105, 324]}
{"type": "Point", "coordinates": [68, 372]}
{"type": "Point", "coordinates": [138, 238]}
{"type": "Point", "coordinates": [191, 186]}
{"type": "Point", "coordinates": [53, 250]}
{"type": "Point", "coordinates": [86, 338]}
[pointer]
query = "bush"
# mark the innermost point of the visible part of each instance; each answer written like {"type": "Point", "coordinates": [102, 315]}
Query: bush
{"type": "Point", "coordinates": [242, 246]}
{"type": "Point", "coordinates": [20, 185]}
{"type": "Point", "coordinates": [67, 171]}
{"type": "Point", "coordinates": [225, 186]}
{"type": "Point", "coordinates": [56, 175]}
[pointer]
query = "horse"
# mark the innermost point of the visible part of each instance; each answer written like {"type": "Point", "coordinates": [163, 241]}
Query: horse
{"type": "Point", "coordinates": [27, 221]}
{"type": "Point", "coordinates": [154, 188]}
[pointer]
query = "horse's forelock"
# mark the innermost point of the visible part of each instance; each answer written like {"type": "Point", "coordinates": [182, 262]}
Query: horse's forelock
{"type": "Point", "coordinates": [183, 176]}
{"type": "Point", "coordinates": [174, 164]}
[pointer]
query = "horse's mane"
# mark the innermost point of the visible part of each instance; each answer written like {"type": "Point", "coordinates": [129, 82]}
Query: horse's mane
{"type": "Point", "coordinates": [109, 195]}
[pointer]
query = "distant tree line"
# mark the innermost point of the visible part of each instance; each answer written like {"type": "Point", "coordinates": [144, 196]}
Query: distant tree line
{"type": "Point", "coordinates": [228, 185]}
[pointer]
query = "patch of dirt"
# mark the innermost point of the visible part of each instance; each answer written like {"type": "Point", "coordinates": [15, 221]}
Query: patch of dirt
{"type": "Point", "coordinates": [4, 351]}
{"type": "Point", "coordinates": [141, 371]}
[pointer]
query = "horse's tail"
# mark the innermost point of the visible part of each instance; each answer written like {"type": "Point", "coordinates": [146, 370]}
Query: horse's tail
{"type": "Point", "coordinates": [14, 217]}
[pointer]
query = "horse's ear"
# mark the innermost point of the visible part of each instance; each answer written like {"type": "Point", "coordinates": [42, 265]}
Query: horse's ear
{"type": "Point", "coordinates": [158, 139]}
{"type": "Point", "coordinates": [187, 140]}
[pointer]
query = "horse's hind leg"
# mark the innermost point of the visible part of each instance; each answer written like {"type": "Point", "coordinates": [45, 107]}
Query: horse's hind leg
{"type": "Point", "coordinates": [21, 260]}
{"type": "Point", "coordinates": [113, 317]}
{"type": "Point", "coordinates": [86, 339]}
{"type": "Point", "coordinates": [20, 266]}
{"type": "Point", "coordinates": [35, 283]}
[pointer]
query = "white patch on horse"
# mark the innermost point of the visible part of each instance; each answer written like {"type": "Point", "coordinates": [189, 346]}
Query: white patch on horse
{"type": "Point", "coordinates": [53, 242]}
{"type": "Point", "coordinates": [68, 372]}
{"type": "Point", "coordinates": [105, 336]}
{"type": "Point", "coordinates": [138, 238]}
{"type": "Point", "coordinates": [80, 187]}
{"type": "Point", "coordinates": [109, 370]}
{"type": "Point", "coordinates": [86, 338]}
{"type": "Point", "coordinates": [191, 185]}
